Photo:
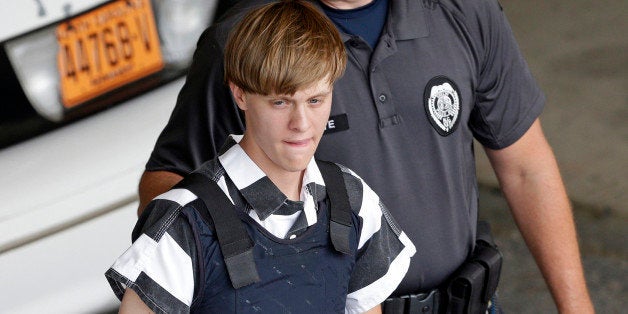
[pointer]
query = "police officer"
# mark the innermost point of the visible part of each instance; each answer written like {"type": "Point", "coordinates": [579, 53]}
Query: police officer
{"type": "Point", "coordinates": [424, 78]}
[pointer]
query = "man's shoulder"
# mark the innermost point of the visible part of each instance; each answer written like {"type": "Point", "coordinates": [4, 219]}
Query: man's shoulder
{"type": "Point", "coordinates": [470, 8]}
{"type": "Point", "coordinates": [166, 211]}
{"type": "Point", "coordinates": [354, 186]}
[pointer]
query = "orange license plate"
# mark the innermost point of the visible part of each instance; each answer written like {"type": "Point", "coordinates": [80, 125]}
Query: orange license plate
{"type": "Point", "coordinates": [107, 48]}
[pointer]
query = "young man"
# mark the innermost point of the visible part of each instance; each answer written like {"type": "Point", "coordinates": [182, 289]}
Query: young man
{"type": "Point", "coordinates": [423, 79]}
{"type": "Point", "coordinates": [309, 236]}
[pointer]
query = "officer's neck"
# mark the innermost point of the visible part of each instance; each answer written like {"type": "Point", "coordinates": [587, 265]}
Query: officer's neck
{"type": "Point", "coordinates": [345, 4]}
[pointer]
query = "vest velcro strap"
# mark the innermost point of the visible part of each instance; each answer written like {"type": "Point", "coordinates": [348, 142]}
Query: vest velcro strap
{"type": "Point", "coordinates": [340, 224]}
{"type": "Point", "coordinates": [235, 247]}
{"type": "Point", "coordinates": [241, 269]}
{"type": "Point", "coordinates": [234, 241]}
{"type": "Point", "coordinates": [340, 236]}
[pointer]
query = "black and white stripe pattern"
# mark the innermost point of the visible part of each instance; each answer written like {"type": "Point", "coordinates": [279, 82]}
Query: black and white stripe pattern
{"type": "Point", "coordinates": [385, 260]}
{"type": "Point", "coordinates": [162, 263]}
{"type": "Point", "coordinates": [159, 264]}
{"type": "Point", "coordinates": [271, 208]}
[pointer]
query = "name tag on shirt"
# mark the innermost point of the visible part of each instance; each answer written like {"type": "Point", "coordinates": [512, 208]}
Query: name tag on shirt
{"type": "Point", "coordinates": [337, 123]}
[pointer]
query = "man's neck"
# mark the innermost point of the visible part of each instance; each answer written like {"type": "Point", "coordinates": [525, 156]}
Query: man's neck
{"type": "Point", "coordinates": [289, 183]}
{"type": "Point", "coordinates": [345, 4]}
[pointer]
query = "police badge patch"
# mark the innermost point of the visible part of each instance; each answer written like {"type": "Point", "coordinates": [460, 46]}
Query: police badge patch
{"type": "Point", "coordinates": [442, 104]}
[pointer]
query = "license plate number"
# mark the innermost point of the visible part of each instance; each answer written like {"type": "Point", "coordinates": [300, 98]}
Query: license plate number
{"type": "Point", "coordinates": [105, 49]}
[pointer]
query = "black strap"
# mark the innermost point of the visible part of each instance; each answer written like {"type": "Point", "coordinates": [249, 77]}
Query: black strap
{"type": "Point", "coordinates": [423, 303]}
{"type": "Point", "coordinates": [235, 243]}
{"type": "Point", "coordinates": [483, 234]}
{"type": "Point", "coordinates": [340, 224]}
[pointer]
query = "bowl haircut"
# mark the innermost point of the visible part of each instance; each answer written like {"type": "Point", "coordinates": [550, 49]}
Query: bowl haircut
{"type": "Point", "coordinates": [282, 47]}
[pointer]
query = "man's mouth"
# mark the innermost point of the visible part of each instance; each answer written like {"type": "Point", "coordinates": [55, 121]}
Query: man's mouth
{"type": "Point", "coordinates": [298, 143]}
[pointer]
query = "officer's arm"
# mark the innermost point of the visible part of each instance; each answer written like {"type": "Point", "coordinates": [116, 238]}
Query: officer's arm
{"type": "Point", "coordinates": [131, 303]}
{"type": "Point", "coordinates": [376, 310]}
{"type": "Point", "coordinates": [154, 183]}
{"type": "Point", "coordinates": [529, 177]}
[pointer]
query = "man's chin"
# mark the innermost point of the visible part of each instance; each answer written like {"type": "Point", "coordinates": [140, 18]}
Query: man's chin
{"type": "Point", "coordinates": [296, 166]}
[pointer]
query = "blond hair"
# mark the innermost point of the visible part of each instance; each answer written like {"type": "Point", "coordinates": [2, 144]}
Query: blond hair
{"type": "Point", "coordinates": [282, 47]}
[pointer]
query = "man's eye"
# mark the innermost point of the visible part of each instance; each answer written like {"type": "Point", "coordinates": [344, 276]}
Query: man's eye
{"type": "Point", "coordinates": [279, 102]}
{"type": "Point", "coordinates": [315, 101]}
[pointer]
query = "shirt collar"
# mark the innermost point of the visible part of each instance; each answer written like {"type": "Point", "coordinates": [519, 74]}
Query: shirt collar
{"type": "Point", "coordinates": [261, 193]}
{"type": "Point", "coordinates": [406, 20]}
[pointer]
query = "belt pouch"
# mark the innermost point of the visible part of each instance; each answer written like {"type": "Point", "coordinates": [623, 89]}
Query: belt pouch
{"type": "Point", "coordinates": [491, 259]}
{"type": "Point", "coordinates": [465, 290]}
{"type": "Point", "coordinates": [423, 303]}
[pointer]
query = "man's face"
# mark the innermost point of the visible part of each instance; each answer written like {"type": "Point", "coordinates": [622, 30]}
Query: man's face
{"type": "Point", "coordinates": [283, 131]}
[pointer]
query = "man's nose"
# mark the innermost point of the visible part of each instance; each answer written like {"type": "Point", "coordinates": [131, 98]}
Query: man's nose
{"type": "Point", "coordinates": [298, 119]}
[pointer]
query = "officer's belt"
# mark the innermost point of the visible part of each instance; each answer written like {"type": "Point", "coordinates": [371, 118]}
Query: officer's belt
{"type": "Point", "coordinates": [468, 291]}
{"type": "Point", "coordinates": [422, 303]}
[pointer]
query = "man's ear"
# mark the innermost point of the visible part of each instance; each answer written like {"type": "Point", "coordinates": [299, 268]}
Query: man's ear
{"type": "Point", "coordinates": [238, 95]}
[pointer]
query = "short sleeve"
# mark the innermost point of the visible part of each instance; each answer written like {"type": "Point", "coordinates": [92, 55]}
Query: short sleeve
{"type": "Point", "coordinates": [160, 265]}
{"type": "Point", "coordinates": [384, 250]}
{"type": "Point", "coordinates": [508, 99]}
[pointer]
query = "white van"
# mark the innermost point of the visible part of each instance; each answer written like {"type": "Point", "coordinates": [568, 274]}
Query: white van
{"type": "Point", "coordinates": [87, 85]}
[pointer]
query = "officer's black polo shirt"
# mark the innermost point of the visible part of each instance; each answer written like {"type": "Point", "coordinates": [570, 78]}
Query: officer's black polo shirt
{"type": "Point", "coordinates": [403, 117]}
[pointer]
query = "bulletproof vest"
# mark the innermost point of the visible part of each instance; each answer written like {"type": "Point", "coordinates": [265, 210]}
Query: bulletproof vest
{"type": "Point", "coordinates": [309, 274]}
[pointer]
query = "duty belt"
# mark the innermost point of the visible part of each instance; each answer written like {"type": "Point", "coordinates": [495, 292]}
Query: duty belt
{"type": "Point", "coordinates": [423, 303]}
{"type": "Point", "coordinates": [469, 289]}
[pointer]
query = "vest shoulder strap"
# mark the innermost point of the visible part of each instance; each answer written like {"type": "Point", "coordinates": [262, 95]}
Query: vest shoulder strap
{"type": "Point", "coordinates": [234, 241]}
{"type": "Point", "coordinates": [340, 224]}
